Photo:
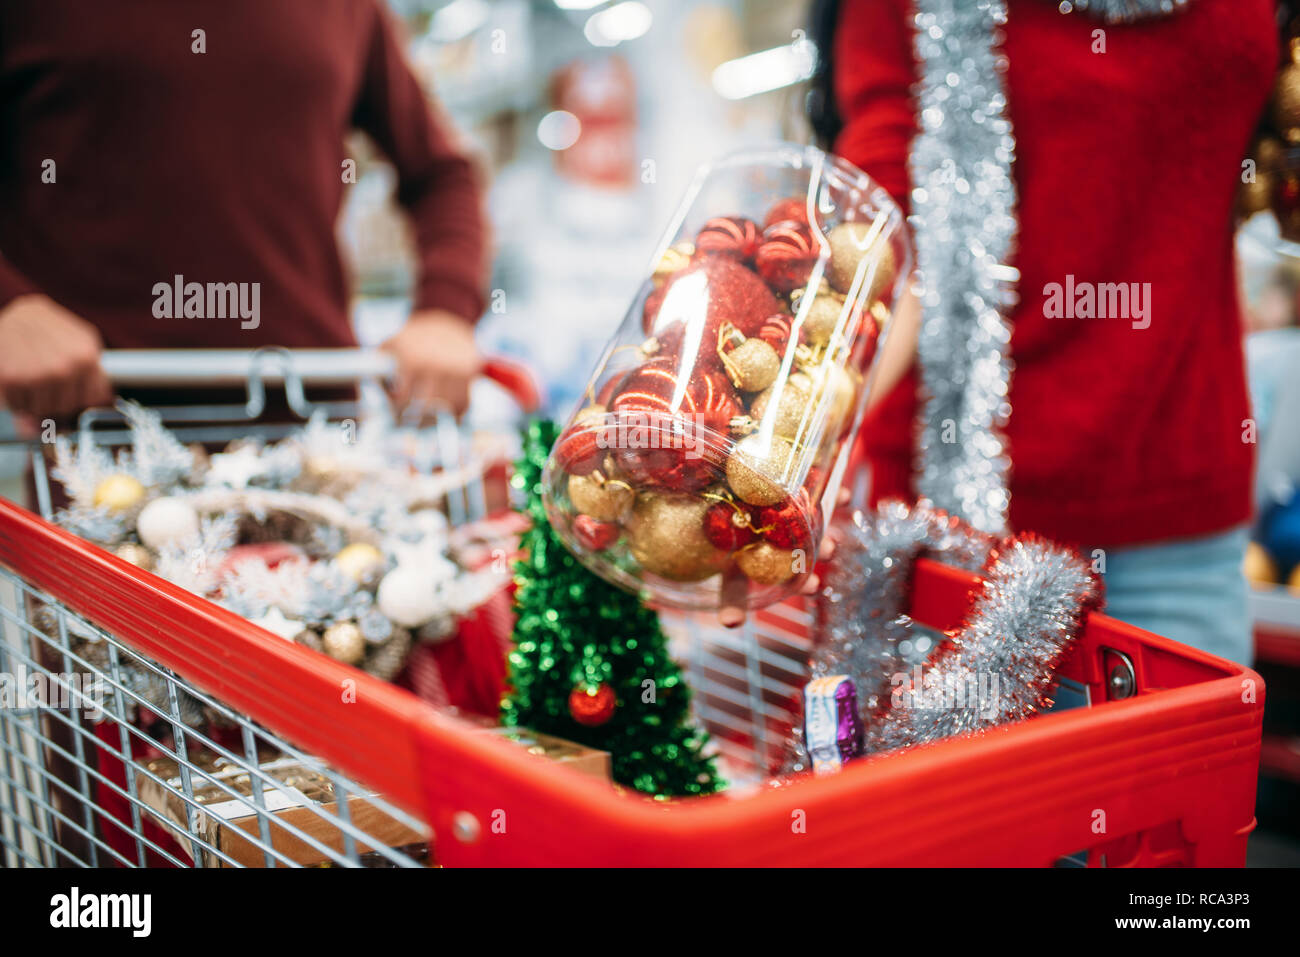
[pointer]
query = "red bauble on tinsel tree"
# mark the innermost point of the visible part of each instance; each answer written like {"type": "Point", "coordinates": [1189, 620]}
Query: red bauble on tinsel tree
{"type": "Point", "coordinates": [717, 288]}
{"type": "Point", "coordinates": [592, 707]}
{"type": "Point", "coordinates": [733, 236]}
{"type": "Point", "coordinates": [787, 255]}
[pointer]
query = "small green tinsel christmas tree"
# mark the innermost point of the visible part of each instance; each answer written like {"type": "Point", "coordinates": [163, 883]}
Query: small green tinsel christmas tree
{"type": "Point", "coordinates": [576, 632]}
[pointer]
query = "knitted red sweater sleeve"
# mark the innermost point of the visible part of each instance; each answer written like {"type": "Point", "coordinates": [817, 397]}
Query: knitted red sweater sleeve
{"type": "Point", "coordinates": [875, 70]}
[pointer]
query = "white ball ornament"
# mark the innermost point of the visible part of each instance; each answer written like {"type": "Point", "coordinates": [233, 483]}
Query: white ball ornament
{"type": "Point", "coordinates": [167, 521]}
{"type": "Point", "coordinates": [409, 596]}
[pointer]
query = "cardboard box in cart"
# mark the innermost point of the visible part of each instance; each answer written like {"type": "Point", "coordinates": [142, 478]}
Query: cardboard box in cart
{"type": "Point", "coordinates": [1159, 770]}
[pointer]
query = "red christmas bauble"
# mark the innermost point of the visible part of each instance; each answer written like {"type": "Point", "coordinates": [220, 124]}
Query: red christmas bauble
{"type": "Point", "coordinates": [787, 255]}
{"type": "Point", "coordinates": [593, 533]}
{"type": "Point", "coordinates": [733, 236]}
{"type": "Point", "coordinates": [792, 208]}
{"type": "Point", "coordinates": [592, 707]}
{"type": "Point", "coordinates": [775, 331]}
{"type": "Point", "coordinates": [672, 342]}
{"type": "Point", "coordinates": [728, 527]}
{"type": "Point", "coordinates": [717, 288]}
{"type": "Point", "coordinates": [709, 400]}
{"type": "Point", "coordinates": [580, 449]}
{"type": "Point", "coordinates": [783, 525]}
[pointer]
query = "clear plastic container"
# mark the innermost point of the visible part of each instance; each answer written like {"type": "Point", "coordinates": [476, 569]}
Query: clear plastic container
{"type": "Point", "coordinates": [705, 458]}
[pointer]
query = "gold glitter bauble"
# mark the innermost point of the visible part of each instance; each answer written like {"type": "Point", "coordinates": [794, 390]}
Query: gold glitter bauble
{"type": "Point", "coordinates": [1259, 566]}
{"type": "Point", "coordinates": [841, 384]}
{"type": "Point", "coordinates": [1257, 195]}
{"type": "Point", "coordinates": [1269, 154]}
{"type": "Point", "coordinates": [766, 564]}
{"type": "Point", "coordinates": [665, 534]}
{"type": "Point", "coordinates": [360, 561]}
{"type": "Point", "coordinates": [119, 493]}
{"type": "Point", "coordinates": [674, 258]}
{"type": "Point", "coordinates": [822, 318]}
{"type": "Point", "coordinates": [1286, 98]}
{"type": "Point", "coordinates": [792, 402]}
{"type": "Point", "coordinates": [847, 253]}
{"type": "Point", "coordinates": [753, 365]}
{"type": "Point", "coordinates": [757, 473]}
{"type": "Point", "coordinates": [137, 555]}
{"type": "Point", "coordinates": [344, 642]}
{"type": "Point", "coordinates": [593, 414]}
{"type": "Point", "coordinates": [606, 501]}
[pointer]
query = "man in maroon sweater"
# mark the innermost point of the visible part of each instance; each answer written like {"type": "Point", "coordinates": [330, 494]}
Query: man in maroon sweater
{"type": "Point", "coordinates": [152, 140]}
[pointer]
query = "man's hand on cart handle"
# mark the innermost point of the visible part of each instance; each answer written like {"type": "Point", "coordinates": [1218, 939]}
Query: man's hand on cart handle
{"type": "Point", "coordinates": [49, 361]}
{"type": "Point", "coordinates": [436, 361]}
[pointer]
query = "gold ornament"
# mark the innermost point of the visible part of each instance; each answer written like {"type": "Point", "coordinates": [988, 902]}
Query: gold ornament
{"type": "Point", "coordinates": [593, 414]}
{"type": "Point", "coordinates": [344, 642]}
{"type": "Point", "coordinates": [606, 500]}
{"type": "Point", "coordinates": [753, 365]}
{"type": "Point", "coordinates": [765, 564]}
{"type": "Point", "coordinates": [841, 385]}
{"type": "Point", "coordinates": [1256, 195]}
{"type": "Point", "coordinates": [674, 258]}
{"type": "Point", "coordinates": [792, 399]}
{"type": "Point", "coordinates": [119, 493]}
{"type": "Point", "coordinates": [823, 317]}
{"type": "Point", "coordinates": [137, 555]}
{"type": "Point", "coordinates": [1259, 566]}
{"type": "Point", "coordinates": [758, 473]}
{"type": "Point", "coordinates": [1286, 98]}
{"type": "Point", "coordinates": [849, 247]}
{"type": "Point", "coordinates": [360, 561]}
{"type": "Point", "coordinates": [665, 534]}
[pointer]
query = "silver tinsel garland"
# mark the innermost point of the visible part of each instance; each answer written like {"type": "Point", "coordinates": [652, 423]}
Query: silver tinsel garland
{"type": "Point", "coordinates": [998, 668]}
{"type": "Point", "coordinates": [963, 200]}
{"type": "Point", "coordinates": [1122, 11]}
{"type": "Point", "coordinates": [1001, 666]}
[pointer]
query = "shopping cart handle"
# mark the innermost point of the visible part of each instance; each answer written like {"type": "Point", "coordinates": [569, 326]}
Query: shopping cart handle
{"type": "Point", "coordinates": [145, 368]}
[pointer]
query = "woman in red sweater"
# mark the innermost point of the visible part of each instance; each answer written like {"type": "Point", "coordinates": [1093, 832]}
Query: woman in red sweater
{"type": "Point", "coordinates": [1127, 435]}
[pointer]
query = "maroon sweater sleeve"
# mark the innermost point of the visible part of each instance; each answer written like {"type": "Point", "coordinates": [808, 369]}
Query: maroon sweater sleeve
{"type": "Point", "coordinates": [436, 182]}
{"type": "Point", "coordinates": [12, 283]}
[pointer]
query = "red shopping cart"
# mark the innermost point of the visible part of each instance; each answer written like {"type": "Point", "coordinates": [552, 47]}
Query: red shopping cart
{"type": "Point", "coordinates": [317, 763]}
